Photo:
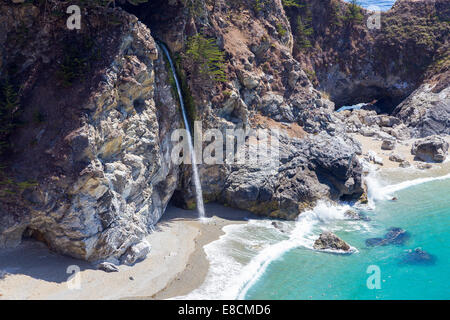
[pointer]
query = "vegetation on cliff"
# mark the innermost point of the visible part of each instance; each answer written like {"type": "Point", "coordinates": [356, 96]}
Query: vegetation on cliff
{"type": "Point", "coordinates": [205, 58]}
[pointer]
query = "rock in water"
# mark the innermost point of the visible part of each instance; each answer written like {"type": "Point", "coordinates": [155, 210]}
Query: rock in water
{"type": "Point", "coordinates": [432, 148]}
{"type": "Point", "coordinates": [395, 235]}
{"type": "Point", "coordinates": [108, 267]}
{"type": "Point", "coordinates": [278, 226]}
{"type": "Point", "coordinates": [355, 215]}
{"type": "Point", "coordinates": [373, 242]}
{"type": "Point", "coordinates": [136, 253]}
{"type": "Point", "coordinates": [419, 256]}
{"type": "Point", "coordinates": [330, 241]}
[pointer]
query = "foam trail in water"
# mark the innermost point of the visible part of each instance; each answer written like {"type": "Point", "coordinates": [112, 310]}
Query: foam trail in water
{"type": "Point", "coordinates": [197, 184]}
{"type": "Point", "coordinates": [407, 184]}
{"type": "Point", "coordinates": [230, 278]}
{"type": "Point", "coordinates": [376, 191]}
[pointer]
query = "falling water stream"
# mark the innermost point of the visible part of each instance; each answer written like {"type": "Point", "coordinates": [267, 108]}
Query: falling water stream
{"type": "Point", "coordinates": [198, 186]}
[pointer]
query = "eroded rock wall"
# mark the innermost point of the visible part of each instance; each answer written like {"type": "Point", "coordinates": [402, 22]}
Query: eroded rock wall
{"type": "Point", "coordinates": [101, 155]}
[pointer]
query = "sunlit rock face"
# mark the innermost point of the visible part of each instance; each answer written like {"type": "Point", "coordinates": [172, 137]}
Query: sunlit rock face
{"type": "Point", "coordinates": [104, 175]}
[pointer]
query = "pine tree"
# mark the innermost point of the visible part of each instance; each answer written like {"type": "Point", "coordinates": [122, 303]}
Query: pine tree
{"type": "Point", "coordinates": [206, 57]}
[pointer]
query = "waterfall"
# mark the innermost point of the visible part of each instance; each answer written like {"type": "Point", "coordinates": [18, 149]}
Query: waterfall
{"type": "Point", "coordinates": [198, 186]}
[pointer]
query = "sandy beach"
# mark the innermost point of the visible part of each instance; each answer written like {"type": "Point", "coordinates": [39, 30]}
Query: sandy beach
{"type": "Point", "coordinates": [403, 148]}
{"type": "Point", "coordinates": [177, 263]}
{"type": "Point", "coordinates": [175, 266]}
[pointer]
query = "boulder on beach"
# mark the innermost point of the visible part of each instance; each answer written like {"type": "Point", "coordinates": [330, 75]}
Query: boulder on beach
{"type": "Point", "coordinates": [397, 236]}
{"type": "Point", "coordinates": [330, 241]}
{"type": "Point", "coordinates": [418, 256]}
{"type": "Point", "coordinates": [432, 148]}
{"type": "Point", "coordinates": [396, 158]}
{"type": "Point", "coordinates": [108, 267]}
{"type": "Point", "coordinates": [404, 164]}
{"type": "Point", "coordinates": [136, 253]}
{"type": "Point", "coordinates": [388, 145]}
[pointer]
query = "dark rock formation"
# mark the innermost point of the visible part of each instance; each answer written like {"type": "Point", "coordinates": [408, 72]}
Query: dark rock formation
{"type": "Point", "coordinates": [433, 148]}
{"type": "Point", "coordinates": [396, 236]}
{"type": "Point", "coordinates": [329, 241]}
{"type": "Point", "coordinates": [418, 257]}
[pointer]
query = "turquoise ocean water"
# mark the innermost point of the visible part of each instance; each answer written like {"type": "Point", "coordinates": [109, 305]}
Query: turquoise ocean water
{"type": "Point", "coordinates": [422, 210]}
{"type": "Point", "coordinates": [257, 260]}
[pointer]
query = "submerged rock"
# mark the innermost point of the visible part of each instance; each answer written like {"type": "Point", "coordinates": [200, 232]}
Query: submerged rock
{"type": "Point", "coordinates": [373, 242]}
{"type": "Point", "coordinates": [108, 267]}
{"type": "Point", "coordinates": [418, 256]}
{"type": "Point", "coordinates": [330, 241]}
{"type": "Point", "coordinates": [279, 226]}
{"type": "Point", "coordinates": [395, 235]}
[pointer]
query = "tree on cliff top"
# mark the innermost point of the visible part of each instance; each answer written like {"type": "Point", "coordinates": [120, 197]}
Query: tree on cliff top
{"type": "Point", "coordinates": [354, 13]}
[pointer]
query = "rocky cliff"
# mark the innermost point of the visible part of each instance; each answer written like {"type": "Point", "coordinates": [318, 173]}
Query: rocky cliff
{"type": "Point", "coordinates": [86, 161]}
{"type": "Point", "coordinates": [92, 136]}
{"type": "Point", "coordinates": [400, 61]}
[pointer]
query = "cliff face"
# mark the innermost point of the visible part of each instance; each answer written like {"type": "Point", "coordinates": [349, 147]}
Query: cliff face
{"type": "Point", "coordinates": [87, 160]}
{"type": "Point", "coordinates": [405, 58]}
{"type": "Point", "coordinates": [96, 115]}
{"type": "Point", "coordinates": [265, 88]}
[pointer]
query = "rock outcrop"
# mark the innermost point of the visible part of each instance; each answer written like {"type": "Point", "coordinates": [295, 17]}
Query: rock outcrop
{"type": "Point", "coordinates": [400, 65]}
{"type": "Point", "coordinates": [432, 148]}
{"type": "Point", "coordinates": [418, 256]}
{"type": "Point", "coordinates": [100, 155]}
{"type": "Point", "coordinates": [395, 235]}
{"type": "Point", "coordinates": [329, 241]}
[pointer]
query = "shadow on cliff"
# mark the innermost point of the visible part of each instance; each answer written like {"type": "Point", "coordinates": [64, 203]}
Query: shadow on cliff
{"type": "Point", "coordinates": [35, 260]}
{"type": "Point", "coordinates": [211, 210]}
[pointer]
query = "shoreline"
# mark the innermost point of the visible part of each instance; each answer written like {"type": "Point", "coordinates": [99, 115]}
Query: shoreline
{"type": "Point", "coordinates": [177, 263]}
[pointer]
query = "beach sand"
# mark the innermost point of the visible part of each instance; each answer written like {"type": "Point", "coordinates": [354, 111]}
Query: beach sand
{"type": "Point", "coordinates": [403, 148]}
{"type": "Point", "coordinates": [175, 266]}
{"type": "Point", "coordinates": [177, 263]}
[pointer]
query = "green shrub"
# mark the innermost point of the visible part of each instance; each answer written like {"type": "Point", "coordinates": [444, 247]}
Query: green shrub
{"type": "Point", "coordinates": [303, 33]}
{"type": "Point", "coordinates": [258, 5]}
{"type": "Point", "coordinates": [206, 58]}
{"type": "Point", "coordinates": [281, 30]}
{"type": "Point", "coordinates": [291, 3]}
{"type": "Point", "coordinates": [354, 14]}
